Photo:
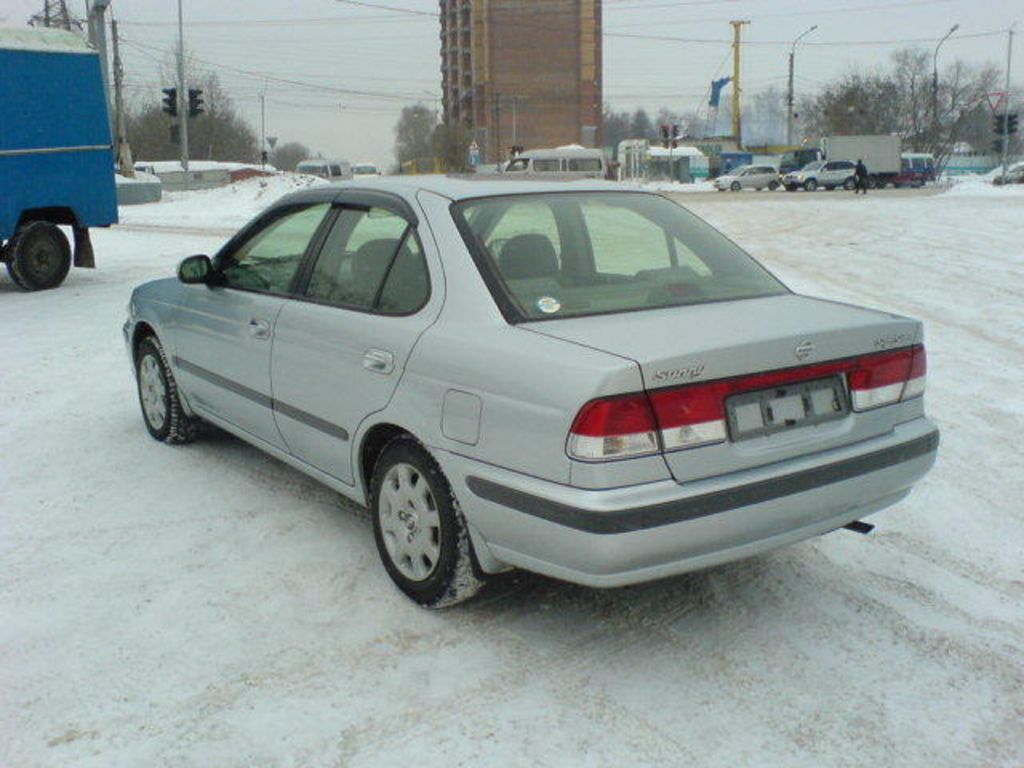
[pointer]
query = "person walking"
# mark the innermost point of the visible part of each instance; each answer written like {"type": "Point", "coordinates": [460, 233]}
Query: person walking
{"type": "Point", "coordinates": [860, 173]}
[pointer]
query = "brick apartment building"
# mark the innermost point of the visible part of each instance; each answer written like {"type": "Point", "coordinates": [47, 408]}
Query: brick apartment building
{"type": "Point", "coordinates": [524, 72]}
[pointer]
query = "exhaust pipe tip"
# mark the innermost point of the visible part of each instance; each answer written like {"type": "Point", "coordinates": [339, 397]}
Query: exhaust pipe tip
{"type": "Point", "coordinates": [858, 526]}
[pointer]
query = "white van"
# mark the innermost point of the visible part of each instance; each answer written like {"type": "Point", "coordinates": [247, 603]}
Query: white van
{"type": "Point", "coordinates": [332, 170]}
{"type": "Point", "coordinates": [564, 162]}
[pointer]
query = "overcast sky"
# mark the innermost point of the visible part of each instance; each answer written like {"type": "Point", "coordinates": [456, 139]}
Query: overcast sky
{"type": "Point", "coordinates": [352, 68]}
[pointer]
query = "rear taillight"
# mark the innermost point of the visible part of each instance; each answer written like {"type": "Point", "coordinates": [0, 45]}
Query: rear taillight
{"type": "Point", "coordinates": [691, 416]}
{"type": "Point", "coordinates": [886, 378]}
{"type": "Point", "coordinates": [614, 428]}
{"type": "Point", "coordinates": [641, 424]}
{"type": "Point", "coordinates": [695, 414]}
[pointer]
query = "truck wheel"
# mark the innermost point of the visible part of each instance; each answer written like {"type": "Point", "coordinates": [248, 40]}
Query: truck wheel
{"type": "Point", "coordinates": [810, 185]}
{"type": "Point", "coordinates": [420, 532]}
{"type": "Point", "coordinates": [14, 276]}
{"type": "Point", "coordinates": [40, 256]}
{"type": "Point", "coordinates": [849, 184]}
{"type": "Point", "coordinates": [162, 411]}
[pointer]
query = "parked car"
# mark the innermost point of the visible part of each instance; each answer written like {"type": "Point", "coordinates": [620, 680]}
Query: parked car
{"type": "Point", "coordinates": [332, 170]}
{"type": "Point", "coordinates": [571, 378]}
{"type": "Point", "coordinates": [365, 171]}
{"type": "Point", "coordinates": [916, 170]}
{"type": "Point", "coordinates": [1014, 175]}
{"type": "Point", "coordinates": [749, 177]}
{"type": "Point", "coordinates": [828, 174]}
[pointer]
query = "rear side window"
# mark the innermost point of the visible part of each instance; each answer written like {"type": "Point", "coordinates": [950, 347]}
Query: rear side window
{"type": "Point", "coordinates": [335, 170]}
{"type": "Point", "coordinates": [371, 260]}
{"type": "Point", "coordinates": [567, 254]}
{"type": "Point", "coordinates": [585, 164]}
{"type": "Point", "coordinates": [547, 166]}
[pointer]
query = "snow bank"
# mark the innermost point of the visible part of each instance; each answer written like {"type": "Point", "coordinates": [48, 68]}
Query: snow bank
{"type": "Point", "coordinates": [673, 186]}
{"type": "Point", "coordinates": [222, 208]}
{"type": "Point", "coordinates": [982, 186]}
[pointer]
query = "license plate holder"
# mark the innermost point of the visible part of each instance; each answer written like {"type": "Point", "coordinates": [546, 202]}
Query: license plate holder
{"type": "Point", "coordinates": [790, 406]}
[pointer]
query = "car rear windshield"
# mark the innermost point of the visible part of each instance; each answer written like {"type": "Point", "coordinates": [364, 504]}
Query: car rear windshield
{"type": "Point", "coordinates": [570, 254]}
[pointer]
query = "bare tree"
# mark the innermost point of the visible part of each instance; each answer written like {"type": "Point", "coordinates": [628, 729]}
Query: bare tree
{"type": "Point", "coordinates": [412, 133]}
{"type": "Point", "coordinates": [900, 102]}
{"type": "Point", "coordinates": [286, 156]}
{"type": "Point", "coordinates": [450, 142]}
{"type": "Point", "coordinates": [220, 133]}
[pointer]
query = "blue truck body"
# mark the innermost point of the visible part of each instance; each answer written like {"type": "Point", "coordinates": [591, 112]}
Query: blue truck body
{"type": "Point", "coordinates": [56, 155]}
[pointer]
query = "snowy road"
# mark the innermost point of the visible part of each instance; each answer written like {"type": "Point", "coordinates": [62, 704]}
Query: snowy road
{"type": "Point", "coordinates": [207, 606]}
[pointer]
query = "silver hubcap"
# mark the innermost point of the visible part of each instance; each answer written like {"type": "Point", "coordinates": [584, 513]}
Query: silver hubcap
{"type": "Point", "coordinates": [409, 522]}
{"type": "Point", "coordinates": [152, 392]}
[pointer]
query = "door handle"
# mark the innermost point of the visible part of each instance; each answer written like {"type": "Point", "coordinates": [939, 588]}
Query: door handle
{"type": "Point", "coordinates": [378, 361]}
{"type": "Point", "coordinates": [259, 329]}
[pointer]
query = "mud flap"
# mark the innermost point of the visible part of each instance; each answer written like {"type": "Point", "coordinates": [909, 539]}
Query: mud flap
{"type": "Point", "coordinates": [84, 256]}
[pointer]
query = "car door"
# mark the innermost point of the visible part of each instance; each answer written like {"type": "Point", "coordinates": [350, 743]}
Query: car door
{"type": "Point", "coordinates": [224, 330]}
{"type": "Point", "coordinates": [340, 350]}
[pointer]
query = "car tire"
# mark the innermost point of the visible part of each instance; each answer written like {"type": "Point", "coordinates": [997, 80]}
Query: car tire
{"type": "Point", "coordinates": [162, 411]}
{"type": "Point", "coordinates": [810, 185]}
{"type": "Point", "coordinates": [772, 186]}
{"type": "Point", "coordinates": [735, 186]}
{"type": "Point", "coordinates": [421, 534]}
{"type": "Point", "coordinates": [40, 256]}
{"type": "Point", "coordinates": [14, 276]}
{"type": "Point", "coordinates": [849, 184]}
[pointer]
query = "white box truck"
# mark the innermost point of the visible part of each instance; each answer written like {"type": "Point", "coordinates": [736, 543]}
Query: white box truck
{"type": "Point", "coordinates": [881, 155]}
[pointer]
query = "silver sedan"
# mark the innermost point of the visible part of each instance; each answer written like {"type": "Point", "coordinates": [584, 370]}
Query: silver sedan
{"type": "Point", "coordinates": [571, 378]}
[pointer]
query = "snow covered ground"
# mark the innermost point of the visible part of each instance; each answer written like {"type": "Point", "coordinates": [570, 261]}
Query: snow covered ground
{"type": "Point", "coordinates": [207, 606]}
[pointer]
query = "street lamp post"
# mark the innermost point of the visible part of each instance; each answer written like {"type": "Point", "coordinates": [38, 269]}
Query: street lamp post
{"type": "Point", "coordinates": [935, 78]}
{"type": "Point", "coordinates": [789, 96]}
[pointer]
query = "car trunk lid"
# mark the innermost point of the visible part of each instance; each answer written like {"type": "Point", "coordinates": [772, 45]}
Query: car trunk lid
{"type": "Point", "coordinates": [710, 342]}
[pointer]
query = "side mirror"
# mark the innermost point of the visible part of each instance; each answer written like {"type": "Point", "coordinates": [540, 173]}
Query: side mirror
{"type": "Point", "coordinates": [195, 270]}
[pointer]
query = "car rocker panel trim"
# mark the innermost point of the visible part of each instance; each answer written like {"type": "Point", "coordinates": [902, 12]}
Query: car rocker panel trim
{"type": "Point", "coordinates": [258, 397]}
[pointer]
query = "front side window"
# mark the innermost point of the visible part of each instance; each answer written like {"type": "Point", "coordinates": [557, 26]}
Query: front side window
{"type": "Point", "coordinates": [572, 254]}
{"type": "Point", "coordinates": [371, 260]}
{"type": "Point", "coordinates": [269, 259]}
{"type": "Point", "coordinates": [518, 165]}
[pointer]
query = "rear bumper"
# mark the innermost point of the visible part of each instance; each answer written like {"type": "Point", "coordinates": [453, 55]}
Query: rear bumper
{"type": "Point", "coordinates": [620, 536]}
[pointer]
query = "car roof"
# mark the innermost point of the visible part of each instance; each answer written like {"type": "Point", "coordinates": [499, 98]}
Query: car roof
{"type": "Point", "coordinates": [455, 187]}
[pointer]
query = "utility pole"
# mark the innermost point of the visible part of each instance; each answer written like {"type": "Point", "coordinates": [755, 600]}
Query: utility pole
{"type": "Point", "coordinates": [737, 26]}
{"type": "Point", "coordinates": [182, 96]}
{"type": "Point", "coordinates": [124, 152]}
{"type": "Point", "coordinates": [98, 37]}
{"type": "Point", "coordinates": [1009, 59]}
{"type": "Point", "coordinates": [498, 153]}
{"type": "Point", "coordinates": [935, 81]}
{"type": "Point", "coordinates": [789, 93]}
{"type": "Point", "coordinates": [263, 131]}
{"type": "Point", "coordinates": [515, 119]}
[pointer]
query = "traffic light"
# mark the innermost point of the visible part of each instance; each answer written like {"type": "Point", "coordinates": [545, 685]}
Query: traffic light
{"type": "Point", "coordinates": [999, 124]}
{"type": "Point", "coordinates": [195, 102]}
{"type": "Point", "coordinates": [171, 101]}
{"type": "Point", "coordinates": [1011, 123]}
